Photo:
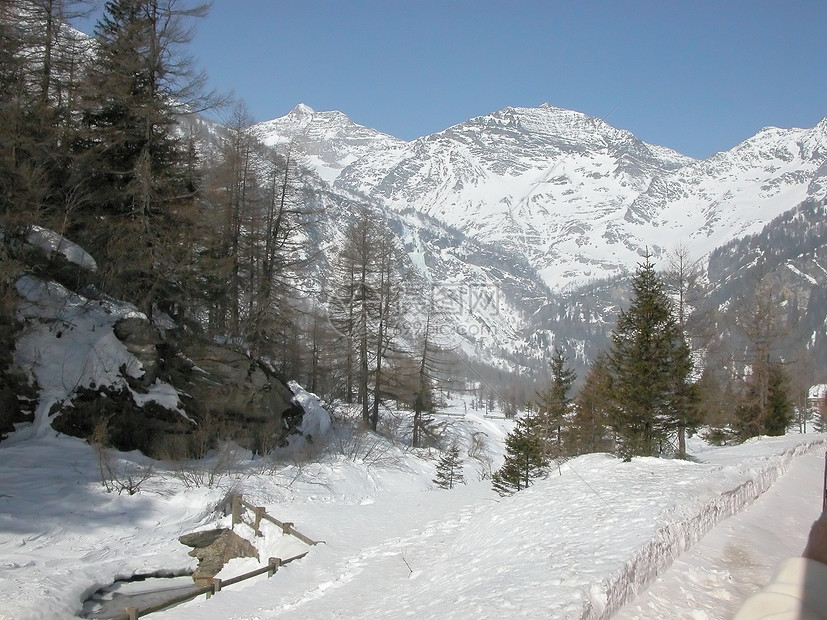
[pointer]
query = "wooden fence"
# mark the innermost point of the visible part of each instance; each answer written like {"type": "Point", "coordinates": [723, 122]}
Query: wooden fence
{"type": "Point", "coordinates": [212, 585]}
{"type": "Point", "coordinates": [259, 514]}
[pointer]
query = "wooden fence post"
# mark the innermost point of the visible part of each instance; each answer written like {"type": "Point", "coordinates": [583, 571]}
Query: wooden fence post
{"type": "Point", "coordinates": [131, 612]}
{"type": "Point", "coordinates": [257, 528]}
{"type": "Point", "coordinates": [236, 510]}
{"type": "Point", "coordinates": [285, 527]}
{"type": "Point", "coordinates": [216, 587]}
{"type": "Point", "coordinates": [273, 566]}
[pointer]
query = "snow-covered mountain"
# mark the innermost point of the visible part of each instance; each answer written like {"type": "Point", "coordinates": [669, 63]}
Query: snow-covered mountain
{"type": "Point", "coordinates": [573, 196]}
{"type": "Point", "coordinates": [327, 141]}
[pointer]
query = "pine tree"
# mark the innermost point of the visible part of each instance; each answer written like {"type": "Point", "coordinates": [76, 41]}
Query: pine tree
{"type": "Point", "coordinates": [449, 469]}
{"type": "Point", "coordinates": [132, 157]}
{"type": "Point", "coordinates": [758, 323]}
{"type": "Point", "coordinates": [775, 415]}
{"type": "Point", "coordinates": [650, 366]}
{"type": "Point", "coordinates": [525, 459]}
{"type": "Point", "coordinates": [554, 404]}
{"type": "Point", "coordinates": [779, 407]}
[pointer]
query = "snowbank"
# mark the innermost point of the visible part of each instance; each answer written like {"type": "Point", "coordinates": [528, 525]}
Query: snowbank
{"type": "Point", "coordinates": [69, 343]}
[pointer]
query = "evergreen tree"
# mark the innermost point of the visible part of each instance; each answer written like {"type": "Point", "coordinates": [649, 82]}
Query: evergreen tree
{"type": "Point", "coordinates": [133, 161]}
{"type": "Point", "coordinates": [525, 458]}
{"type": "Point", "coordinates": [650, 366]}
{"type": "Point", "coordinates": [775, 415]}
{"type": "Point", "coordinates": [449, 469]}
{"type": "Point", "coordinates": [587, 432]}
{"type": "Point", "coordinates": [762, 381]}
{"type": "Point", "coordinates": [780, 407]}
{"type": "Point", "coordinates": [554, 404]}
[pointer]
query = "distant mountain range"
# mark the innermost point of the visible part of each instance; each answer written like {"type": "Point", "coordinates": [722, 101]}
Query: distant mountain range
{"type": "Point", "coordinates": [571, 195]}
{"type": "Point", "coordinates": [553, 209]}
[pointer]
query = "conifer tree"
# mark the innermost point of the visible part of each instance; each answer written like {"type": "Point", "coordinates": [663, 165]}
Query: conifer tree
{"type": "Point", "coordinates": [364, 305]}
{"type": "Point", "coordinates": [133, 160]}
{"type": "Point", "coordinates": [449, 469]}
{"type": "Point", "coordinates": [650, 366]}
{"type": "Point", "coordinates": [780, 407]}
{"type": "Point", "coordinates": [588, 431]}
{"type": "Point", "coordinates": [525, 459]}
{"type": "Point", "coordinates": [554, 404]}
{"type": "Point", "coordinates": [775, 415]}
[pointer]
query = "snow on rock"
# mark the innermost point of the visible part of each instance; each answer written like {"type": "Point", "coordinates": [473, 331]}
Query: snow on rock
{"type": "Point", "coordinates": [69, 343]}
{"type": "Point", "coordinates": [316, 420]}
{"type": "Point", "coordinates": [50, 241]}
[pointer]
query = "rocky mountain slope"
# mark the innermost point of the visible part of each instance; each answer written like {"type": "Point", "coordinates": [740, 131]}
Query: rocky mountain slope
{"type": "Point", "coordinates": [574, 197]}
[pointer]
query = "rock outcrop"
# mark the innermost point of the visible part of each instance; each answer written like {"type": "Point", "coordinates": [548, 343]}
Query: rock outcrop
{"type": "Point", "coordinates": [222, 395]}
{"type": "Point", "coordinates": [214, 548]}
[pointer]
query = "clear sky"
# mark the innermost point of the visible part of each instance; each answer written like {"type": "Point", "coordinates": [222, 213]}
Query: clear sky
{"type": "Point", "coordinates": [695, 76]}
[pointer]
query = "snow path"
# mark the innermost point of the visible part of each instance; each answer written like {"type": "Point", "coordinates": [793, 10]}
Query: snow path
{"type": "Point", "coordinates": [739, 556]}
{"type": "Point", "coordinates": [574, 546]}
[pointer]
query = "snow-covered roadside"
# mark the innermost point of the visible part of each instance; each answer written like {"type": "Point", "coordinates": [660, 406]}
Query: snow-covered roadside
{"type": "Point", "coordinates": [739, 556]}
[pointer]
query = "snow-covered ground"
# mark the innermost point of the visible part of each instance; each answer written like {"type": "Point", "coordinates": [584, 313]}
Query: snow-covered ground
{"type": "Point", "coordinates": [739, 555]}
{"type": "Point", "coordinates": [576, 545]}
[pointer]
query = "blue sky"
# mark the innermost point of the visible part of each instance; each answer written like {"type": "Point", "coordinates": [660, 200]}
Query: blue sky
{"type": "Point", "coordinates": [695, 76]}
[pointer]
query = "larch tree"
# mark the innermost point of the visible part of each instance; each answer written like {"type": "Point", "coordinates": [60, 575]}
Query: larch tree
{"type": "Point", "coordinates": [364, 305]}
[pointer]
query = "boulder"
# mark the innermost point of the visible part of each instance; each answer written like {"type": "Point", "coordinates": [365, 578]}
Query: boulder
{"type": "Point", "coordinates": [238, 391]}
{"type": "Point", "coordinates": [224, 394]}
{"type": "Point", "coordinates": [214, 548]}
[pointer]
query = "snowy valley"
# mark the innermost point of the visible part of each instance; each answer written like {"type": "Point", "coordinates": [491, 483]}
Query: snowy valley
{"type": "Point", "coordinates": [606, 344]}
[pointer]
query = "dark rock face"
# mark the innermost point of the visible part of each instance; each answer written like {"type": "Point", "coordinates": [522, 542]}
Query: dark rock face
{"type": "Point", "coordinates": [17, 397]}
{"type": "Point", "coordinates": [129, 426]}
{"type": "Point", "coordinates": [224, 394]}
{"type": "Point", "coordinates": [142, 340]}
{"type": "Point", "coordinates": [235, 389]}
{"type": "Point", "coordinates": [214, 548]}
{"type": "Point", "coordinates": [17, 400]}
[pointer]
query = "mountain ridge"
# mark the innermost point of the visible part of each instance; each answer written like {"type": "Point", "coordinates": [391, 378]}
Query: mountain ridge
{"type": "Point", "coordinates": [576, 197]}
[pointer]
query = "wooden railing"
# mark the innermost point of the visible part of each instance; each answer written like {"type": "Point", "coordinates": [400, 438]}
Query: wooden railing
{"type": "Point", "coordinates": [213, 586]}
{"type": "Point", "coordinates": [259, 514]}
{"type": "Point", "coordinates": [210, 586]}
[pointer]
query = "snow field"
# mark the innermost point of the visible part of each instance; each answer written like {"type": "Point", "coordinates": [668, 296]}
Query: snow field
{"type": "Point", "coordinates": [578, 544]}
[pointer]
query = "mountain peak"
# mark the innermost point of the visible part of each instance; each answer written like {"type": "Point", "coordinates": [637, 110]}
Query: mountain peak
{"type": "Point", "coordinates": [302, 110]}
